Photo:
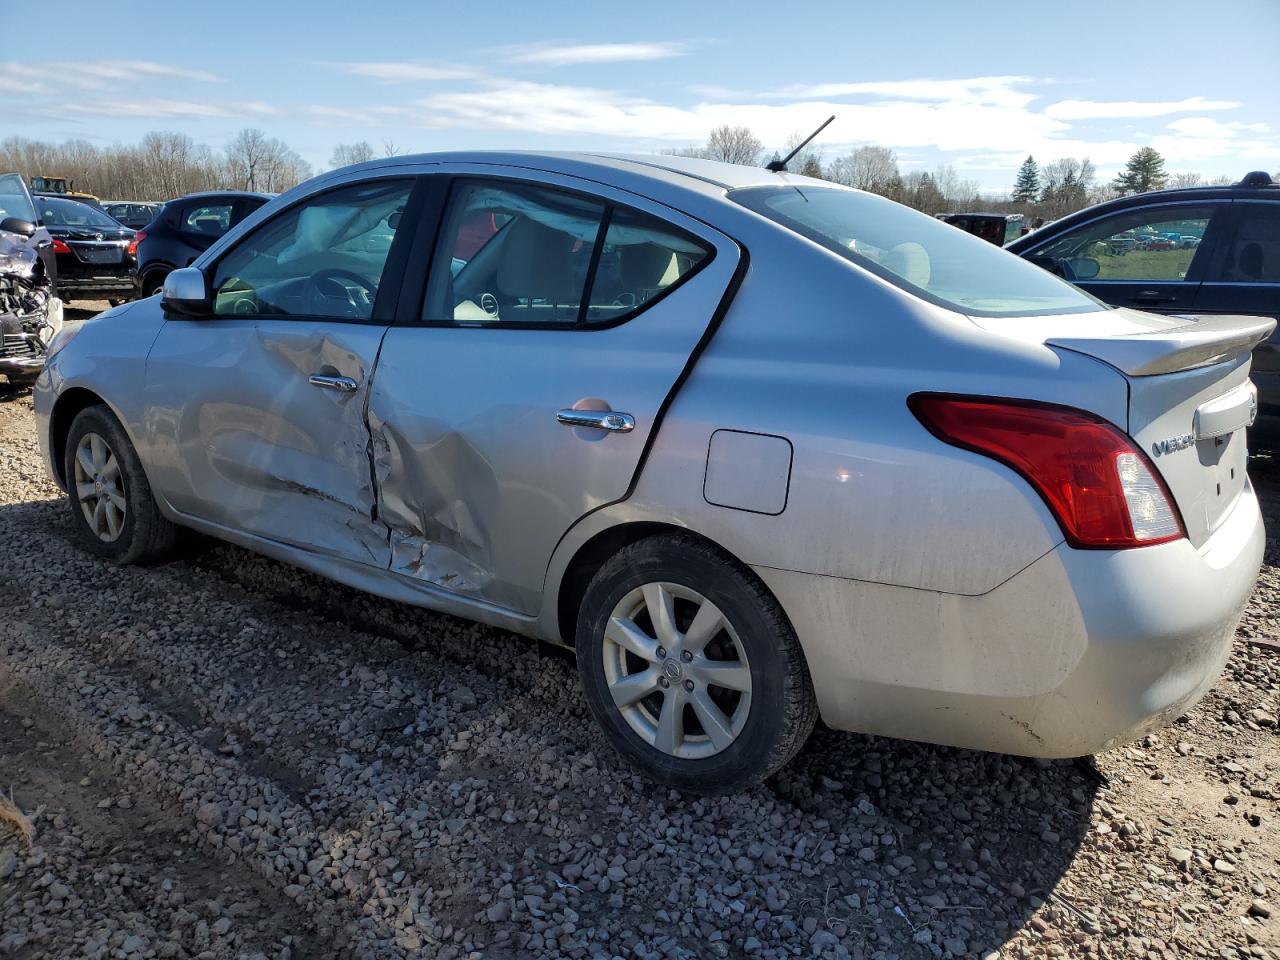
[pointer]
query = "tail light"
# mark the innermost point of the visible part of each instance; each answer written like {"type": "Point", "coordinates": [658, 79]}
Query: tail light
{"type": "Point", "coordinates": [60, 246]}
{"type": "Point", "coordinates": [1101, 488]}
{"type": "Point", "coordinates": [132, 249]}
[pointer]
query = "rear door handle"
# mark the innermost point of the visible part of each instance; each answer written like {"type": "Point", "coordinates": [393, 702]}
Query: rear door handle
{"type": "Point", "coordinates": [341, 384]}
{"type": "Point", "coordinates": [610, 420]}
{"type": "Point", "coordinates": [1152, 296]}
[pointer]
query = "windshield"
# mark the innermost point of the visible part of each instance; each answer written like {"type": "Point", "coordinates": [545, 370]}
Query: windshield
{"type": "Point", "coordinates": [924, 256]}
{"type": "Point", "coordinates": [70, 213]}
{"type": "Point", "coordinates": [13, 198]}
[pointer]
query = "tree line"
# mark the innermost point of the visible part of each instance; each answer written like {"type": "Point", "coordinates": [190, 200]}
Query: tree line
{"type": "Point", "coordinates": [163, 165]}
{"type": "Point", "coordinates": [167, 164]}
{"type": "Point", "coordinates": [1049, 191]}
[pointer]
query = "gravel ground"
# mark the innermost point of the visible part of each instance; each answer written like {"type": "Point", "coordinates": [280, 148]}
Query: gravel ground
{"type": "Point", "coordinates": [222, 756]}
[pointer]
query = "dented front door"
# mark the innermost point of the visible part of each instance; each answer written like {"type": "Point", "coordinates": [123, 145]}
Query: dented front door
{"type": "Point", "coordinates": [258, 425]}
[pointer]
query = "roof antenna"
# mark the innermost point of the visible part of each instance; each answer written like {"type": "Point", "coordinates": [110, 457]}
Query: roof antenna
{"type": "Point", "coordinates": [780, 166]}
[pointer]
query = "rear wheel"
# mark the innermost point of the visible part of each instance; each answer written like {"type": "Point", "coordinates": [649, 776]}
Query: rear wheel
{"type": "Point", "coordinates": [153, 283]}
{"type": "Point", "coordinates": [691, 666]}
{"type": "Point", "coordinates": [112, 509]}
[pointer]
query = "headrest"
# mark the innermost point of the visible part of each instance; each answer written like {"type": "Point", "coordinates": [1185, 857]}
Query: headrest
{"type": "Point", "coordinates": [643, 265]}
{"type": "Point", "coordinates": [535, 262]}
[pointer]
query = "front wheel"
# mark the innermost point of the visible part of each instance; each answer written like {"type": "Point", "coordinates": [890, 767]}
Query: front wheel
{"type": "Point", "coordinates": [112, 509]}
{"type": "Point", "coordinates": [692, 667]}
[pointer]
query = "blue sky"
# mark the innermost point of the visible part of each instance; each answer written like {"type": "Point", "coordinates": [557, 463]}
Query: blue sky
{"type": "Point", "coordinates": [978, 85]}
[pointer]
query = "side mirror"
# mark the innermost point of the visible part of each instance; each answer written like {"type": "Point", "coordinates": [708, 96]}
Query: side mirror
{"type": "Point", "coordinates": [186, 292]}
{"type": "Point", "coordinates": [24, 228]}
{"type": "Point", "coordinates": [1083, 268]}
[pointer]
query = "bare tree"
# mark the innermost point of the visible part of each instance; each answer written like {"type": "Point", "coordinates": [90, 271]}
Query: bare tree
{"type": "Point", "coordinates": [807, 162]}
{"type": "Point", "coordinates": [1185, 180]}
{"type": "Point", "coordinates": [345, 154]}
{"type": "Point", "coordinates": [734, 145]}
{"type": "Point", "coordinates": [164, 165]}
{"type": "Point", "coordinates": [867, 168]}
{"type": "Point", "coordinates": [1068, 185]}
{"type": "Point", "coordinates": [390, 149]}
{"type": "Point", "coordinates": [258, 162]}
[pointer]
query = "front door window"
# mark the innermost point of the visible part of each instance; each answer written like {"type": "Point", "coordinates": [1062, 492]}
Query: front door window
{"type": "Point", "coordinates": [322, 258]}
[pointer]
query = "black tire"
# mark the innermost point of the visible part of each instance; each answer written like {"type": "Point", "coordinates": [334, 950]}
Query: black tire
{"type": "Point", "coordinates": [782, 708]}
{"type": "Point", "coordinates": [153, 282]}
{"type": "Point", "coordinates": [145, 535]}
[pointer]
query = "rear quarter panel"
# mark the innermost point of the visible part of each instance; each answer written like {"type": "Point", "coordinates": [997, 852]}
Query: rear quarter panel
{"type": "Point", "coordinates": [820, 353]}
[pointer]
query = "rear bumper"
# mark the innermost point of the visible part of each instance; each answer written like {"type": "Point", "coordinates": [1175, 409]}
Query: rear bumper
{"type": "Point", "coordinates": [73, 288]}
{"type": "Point", "coordinates": [1079, 652]}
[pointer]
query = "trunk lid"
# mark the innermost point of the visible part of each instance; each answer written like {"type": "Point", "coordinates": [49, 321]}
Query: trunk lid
{"type": "Point", "coordinates": [1190, 398]}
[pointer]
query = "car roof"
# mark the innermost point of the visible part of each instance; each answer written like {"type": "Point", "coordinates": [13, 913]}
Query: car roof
{"type": "Point", "coordinates": [231, 194]}
{"type": "Point", "coordinates": [694, 173]}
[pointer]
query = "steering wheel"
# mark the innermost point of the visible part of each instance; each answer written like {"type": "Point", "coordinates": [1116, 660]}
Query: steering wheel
{"type": "Point", "coordinates": [325, 286]}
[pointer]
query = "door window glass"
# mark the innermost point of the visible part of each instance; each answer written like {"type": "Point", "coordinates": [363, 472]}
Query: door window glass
{"type": "Point", "coordinates": [322, 258]}
{"type": "Point", "coordinates": [208, 221]}
{"type": "Point", "coordinates": [1253, 254]}
{"type": "Point", "coordinates": [510, 253]}
{"type": "Point", "coordinates": [14, 199]}
{"type": "Point", "coordinates": [641, 259]}
{"type": "Point", "coordinates": [1156, 244]}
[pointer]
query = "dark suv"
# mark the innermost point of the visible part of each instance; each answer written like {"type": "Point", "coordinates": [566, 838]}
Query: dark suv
{"type": "Point", "coordinates": [185, 228]}
{"type": "Point", "coordinates": [1225, 259]}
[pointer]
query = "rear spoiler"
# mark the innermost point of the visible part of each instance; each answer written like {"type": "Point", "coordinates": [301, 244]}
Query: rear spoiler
{"type": "Point", "coordinates": [1200, 342]}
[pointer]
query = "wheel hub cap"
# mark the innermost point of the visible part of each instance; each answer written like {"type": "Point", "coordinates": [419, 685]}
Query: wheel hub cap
{"type": "Point", "coordinates": [677, 670]}
{"type": "Point", "coordinates": [99, 487]}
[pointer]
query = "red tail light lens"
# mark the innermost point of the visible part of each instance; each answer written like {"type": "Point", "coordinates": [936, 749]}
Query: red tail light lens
{"type": "Point", "coordinates": [132, 249]}
{"type": "Point", "coordinates": [1101, 488]}
{"type": "Point", "coordinates": [60, 246]}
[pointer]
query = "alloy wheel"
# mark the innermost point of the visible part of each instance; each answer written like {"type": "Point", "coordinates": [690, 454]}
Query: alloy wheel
{"type": "Point", "coordinates": [100, 487]}
{"type": "Point", "coordinates": [677, 671]}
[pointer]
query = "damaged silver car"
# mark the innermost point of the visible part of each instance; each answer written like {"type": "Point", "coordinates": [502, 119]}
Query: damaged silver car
{"type": "Point", "coordinates": [759, 448]}
{"type": "Point", "coordinates": [30, 314]}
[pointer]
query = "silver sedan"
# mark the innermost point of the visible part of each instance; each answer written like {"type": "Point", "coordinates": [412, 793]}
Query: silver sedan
{"type": "Point", "coordinates": [759, 448]}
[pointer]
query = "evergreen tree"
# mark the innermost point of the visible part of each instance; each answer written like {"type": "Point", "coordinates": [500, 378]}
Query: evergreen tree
{"type": "Point", "coordinates": [1027, 187]}
{"type": "Point", "coordinates": [1143, 172]}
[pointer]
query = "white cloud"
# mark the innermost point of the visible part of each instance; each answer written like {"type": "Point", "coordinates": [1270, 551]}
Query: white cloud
{"type": "Point", "coordinates": [11, 84]}
{"type": "Point", "coordinates": [102, 73]}
{"type": "Point", "coordinates": [967, 119]}
{"type": "Point", "coordinates": [1118, 109]}
{"type": "Point", "coordinates": [1000, 91]}
{"type": "Point", "coordinates": [161, 109]}
{"type": "Point", "coordinates": [393, 71]}
{"type": "Point", "coordinates": [567, 54]}
{"type": "Point", "coordinates": [372, 116]}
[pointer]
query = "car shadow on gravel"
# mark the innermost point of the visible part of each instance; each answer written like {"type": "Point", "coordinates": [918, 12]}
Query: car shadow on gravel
{"type": "Point", "coordinates": [971, 841]}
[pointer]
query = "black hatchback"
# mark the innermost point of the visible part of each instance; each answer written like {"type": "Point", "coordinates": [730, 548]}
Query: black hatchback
{"type": "Point", "coordinates": [95, 254]}
{"type": "Point", "coordinates": [185, 228]}
{"type": "Point", "coordinates": [1198, 250]}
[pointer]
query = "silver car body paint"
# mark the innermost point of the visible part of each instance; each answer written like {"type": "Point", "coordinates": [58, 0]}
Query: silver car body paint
{"type": "Point", "coordinates": [930, 587]}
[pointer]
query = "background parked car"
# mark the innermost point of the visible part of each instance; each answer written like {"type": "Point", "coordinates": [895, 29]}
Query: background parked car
{"type": "Point", "coordinates": [998, 228]}
{"type": "Point", "coordinates": [184, 229]}
{"type": "Point", "coordinates": [134, 214]}
{"type": "Point", "coordinates": [1227, 261]}
{"type": "Point", "coordinates": [94, 253]}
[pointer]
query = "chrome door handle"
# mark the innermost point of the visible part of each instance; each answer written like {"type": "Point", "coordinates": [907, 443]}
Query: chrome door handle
{"type": "Point", "coordinates": [610, 420]}
{"type": "Point", "coordinates": [341, 384]}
